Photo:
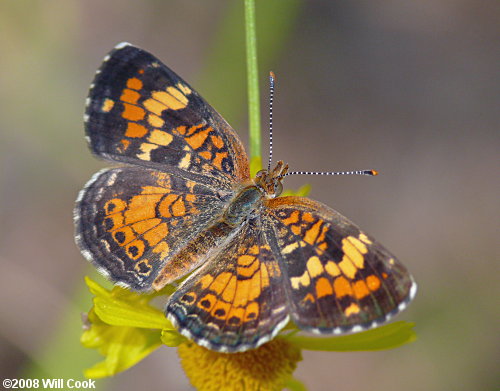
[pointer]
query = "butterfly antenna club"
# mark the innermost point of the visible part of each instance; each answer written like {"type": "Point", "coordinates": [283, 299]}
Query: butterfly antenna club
{"type": "Point", "coordinates": [357, 172]}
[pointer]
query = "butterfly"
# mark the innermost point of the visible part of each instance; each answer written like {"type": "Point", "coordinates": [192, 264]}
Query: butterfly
{"type": "Point", "coordinates": [182, 203]}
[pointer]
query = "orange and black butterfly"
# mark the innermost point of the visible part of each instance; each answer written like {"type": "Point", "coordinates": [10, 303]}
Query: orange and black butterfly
{"type": "Point", "coordinates": [182, 201]}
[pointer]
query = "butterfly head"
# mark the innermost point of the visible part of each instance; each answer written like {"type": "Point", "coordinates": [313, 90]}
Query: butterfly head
{"type": "Point", "coordinates": [269, 181]}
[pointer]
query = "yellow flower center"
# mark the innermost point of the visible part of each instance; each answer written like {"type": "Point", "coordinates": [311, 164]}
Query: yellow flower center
{"type": "Point", "coordinates": [265, 368]}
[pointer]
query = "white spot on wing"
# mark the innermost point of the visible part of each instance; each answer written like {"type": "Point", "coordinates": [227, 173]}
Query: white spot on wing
{"type": "Point", "coordinates": [356, 329]}
{"type": "Point", "coordinates": [413, 290]}
{"type": "Point", "coordinates": [119, 283]}
{"type": "Point", "coordinates": [87, 255]}
{"type": "Point", "coordinates": [112, 179]}
{"type": "Point", "coordinates": [80, 195]}
{"type": "Point", "coordinates": [122, 45]}
{"type": "Point", "coordinates": [224, 348]}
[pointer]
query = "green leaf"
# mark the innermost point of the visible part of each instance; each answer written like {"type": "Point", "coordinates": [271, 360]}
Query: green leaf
{"type": "Point", "coordinates": [172, 338]}
{"type": "Point", "coordinates": [122, 347]}
{"type": "Point", "coordinates": [303, 191]}
{"type": "Point", "coordinates": [120, 307]}
{"type": "Point", "coordinates": [95, 288]}
{"type": "Point", "coordinates": [124, 328]}
{"type": "Point", "coordinates": [120, 313]}
{"type": "Point", "coordinates": [384, 337]}
{"type": "Point", "coordinates": [295, 385]}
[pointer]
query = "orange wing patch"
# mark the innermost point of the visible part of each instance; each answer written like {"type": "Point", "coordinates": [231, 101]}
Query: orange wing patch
{"type": "Point", "coordinates": [233, 297]}
{"type": "Point", "coordinates": [107, 105]}
{"type": "Point", "coordinates": [134, 83]}
{"type": "Point", "coordinates": [135, 130]}
{"type": "Point", "coordinates": [143, 221]}
{"type": "Point", "coordinates": [328, 277]}
{"type": "Point", "coordinates": [147, 131]}
{"type": "Point", "coordinates": [151, 110]}
{"type": "Point", "coordinates": [352, 309]}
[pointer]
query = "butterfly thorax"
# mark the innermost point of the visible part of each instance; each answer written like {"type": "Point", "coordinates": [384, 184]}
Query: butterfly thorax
{"type": "Point", "coordinates": [248, 201]}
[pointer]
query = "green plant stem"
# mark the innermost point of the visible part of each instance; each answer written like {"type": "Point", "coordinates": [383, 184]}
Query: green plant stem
{"type": "Point", "coordinates": [253, 87]}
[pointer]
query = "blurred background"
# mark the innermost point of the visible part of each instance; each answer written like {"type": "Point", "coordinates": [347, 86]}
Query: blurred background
{"type": "Point", "coordinates": [409, 88]}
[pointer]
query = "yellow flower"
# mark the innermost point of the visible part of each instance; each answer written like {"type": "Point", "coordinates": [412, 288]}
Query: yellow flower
{"type": "Point", "coordinates": [269, 367]}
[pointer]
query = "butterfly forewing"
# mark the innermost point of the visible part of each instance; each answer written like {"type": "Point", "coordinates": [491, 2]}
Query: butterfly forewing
{"type": "Point", "coordinates": [140, 112]}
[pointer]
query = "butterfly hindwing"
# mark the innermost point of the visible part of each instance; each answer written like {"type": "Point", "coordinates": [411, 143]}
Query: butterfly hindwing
{"type": "Point", "coordinates": [140, 111]}
{"type": "Point", "coordinates": [338, 278]}
{"type": "Point", "coordinates": [236, 301]}
{"type": "Point", "coordinates": [130, 221]}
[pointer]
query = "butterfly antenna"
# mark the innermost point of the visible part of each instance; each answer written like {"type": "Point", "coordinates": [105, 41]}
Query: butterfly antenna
{"type": "Point", "coordinates": [272, 76]}
{"type": "Point", "coordinates": [358, 172]}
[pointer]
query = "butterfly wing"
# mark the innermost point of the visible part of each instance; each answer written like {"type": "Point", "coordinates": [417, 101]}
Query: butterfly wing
{"type": "Point", "coordinates": [236, 301]}
{"type": "Point", "coordinates": [338, 279]}
{"type": "Point", "coordinates": [130, 221]}
{"type": "Point", "coordinates": [140, 112]}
